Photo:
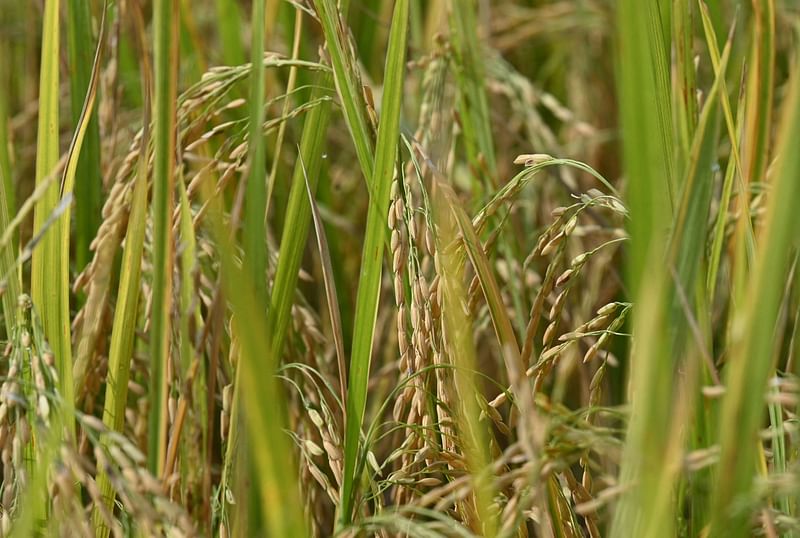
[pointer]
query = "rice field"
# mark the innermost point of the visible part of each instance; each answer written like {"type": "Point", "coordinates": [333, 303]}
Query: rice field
{"type": "Point", "coordinates": [413, 268]}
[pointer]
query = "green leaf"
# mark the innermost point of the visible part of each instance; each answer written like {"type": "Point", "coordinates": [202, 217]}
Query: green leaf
{"type": "Point", "coordinates": [372, 255]}
{"type": "Point", "coordinates": [88, 190]}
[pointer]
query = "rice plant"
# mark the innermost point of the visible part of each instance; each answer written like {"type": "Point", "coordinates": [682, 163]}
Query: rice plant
{"type": "Point", "coordinates": [420, 268]}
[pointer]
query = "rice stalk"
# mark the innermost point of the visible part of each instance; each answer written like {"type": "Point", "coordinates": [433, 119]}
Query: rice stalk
{"type": "Point", "coordinates": [165, 51]}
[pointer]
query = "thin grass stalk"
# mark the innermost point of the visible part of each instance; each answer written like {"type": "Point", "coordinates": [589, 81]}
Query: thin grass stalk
{"type": "Point", "coordinates": [703, 433]}
{"type": "Point", "coordinates": [658, 21]}
{"type": "Point", "coordinates": [416, 25]}
{"type": "Point", "coordinates": [687, 343]}
{"type": "Point", "coordinates": [188, 265]}
{"type": "Point", "coordinates": [530, 432]}
{"type": "Point", "coordinates": [435, 16]}
{"type": "Point", "coordinates": [305, 179]}
{"type": "Point", "coordinates": [723, 214]}
{"type": "Point", "coordinates": [290, 85]}
{"type": "Point", "coordinates": [386, 151]}
{"type": "Point", "coordinates": [165, 39]}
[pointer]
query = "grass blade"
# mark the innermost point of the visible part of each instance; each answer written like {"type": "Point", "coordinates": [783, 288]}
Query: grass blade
{"type": "Point", "coordinates": [753, 339]}
{"type": "Point", "coordinates": [123, 330]}
{"type": "Point", "coordinates": [88, 191]}
{"type": "Point", "coordinates": [297, 221]}
{"type": "Point", "coordinates": [49, 273]}
{"type": "Point", "coordinates": [647, 160]}
{"type": "Point", "coordinates": [290, 86]}
{"type": "Point", "coordinates": [372, 254]}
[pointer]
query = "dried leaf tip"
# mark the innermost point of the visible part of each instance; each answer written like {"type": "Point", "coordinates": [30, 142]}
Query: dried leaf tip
{"type": "Point", "coordinates": [532, 159]}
